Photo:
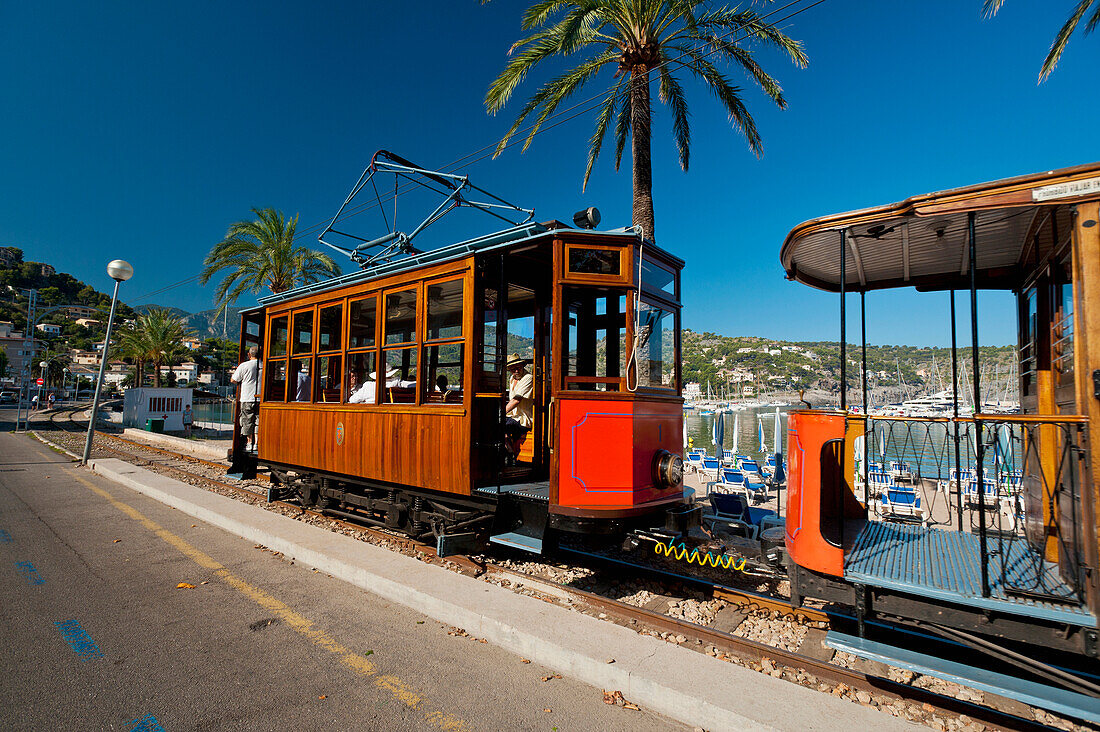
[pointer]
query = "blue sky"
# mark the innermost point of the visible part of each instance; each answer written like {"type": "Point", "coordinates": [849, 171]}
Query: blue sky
{"type": "Point", "coordinates": [142, 130]}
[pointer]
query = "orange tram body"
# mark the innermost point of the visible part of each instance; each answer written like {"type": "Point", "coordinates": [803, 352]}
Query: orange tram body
{"type": "Point", "coordinates": [424, 448]}
{"type": "Point", "coordinates": [973, 524]}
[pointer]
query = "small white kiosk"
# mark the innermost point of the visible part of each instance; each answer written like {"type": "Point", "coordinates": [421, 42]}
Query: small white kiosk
{"type": "Point", "coordinates": [144, 404]}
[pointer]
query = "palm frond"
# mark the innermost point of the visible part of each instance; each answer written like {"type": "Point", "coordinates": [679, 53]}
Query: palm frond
{"type": "Point", "coordinates": [671, 93]}
{"type": "Point", "coordinates": [1062, 38]}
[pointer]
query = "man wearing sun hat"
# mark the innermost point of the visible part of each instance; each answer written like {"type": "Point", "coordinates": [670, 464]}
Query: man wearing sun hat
{"type": "Point", "coordinates": [365, 393]}
{"type": "Point", "coordinates": [520, 410]}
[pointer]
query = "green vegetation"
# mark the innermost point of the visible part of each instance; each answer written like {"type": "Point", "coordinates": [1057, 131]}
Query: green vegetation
{"type": "Point", "coordinates": [786, 366]}
{"type": "Point", "coordinates": [990, 8]}
{"type": "Point", "coordinates": [670, 39]}
{"type": "Point", "coordinates": [262, 253]}
{"type": "Point", "coordinates": [156, 338]}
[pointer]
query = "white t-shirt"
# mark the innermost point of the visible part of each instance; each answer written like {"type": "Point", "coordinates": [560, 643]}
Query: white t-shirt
{"type": "Point", "coordinates": [248, 376]}
{"type": "Point", "coordinates": [363, 395]}
{"type": "Point", "coordinates": [523, 390]}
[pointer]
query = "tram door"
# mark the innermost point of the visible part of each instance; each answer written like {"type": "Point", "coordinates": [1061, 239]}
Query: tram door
{"type": "Point", "coordinates": [514, 317]}
{"type": "Point", "coordinates": [252, 334]}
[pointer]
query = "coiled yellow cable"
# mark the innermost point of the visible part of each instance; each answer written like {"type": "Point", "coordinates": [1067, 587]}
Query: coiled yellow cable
{"type": "Point", "coordinates": [704, 559]}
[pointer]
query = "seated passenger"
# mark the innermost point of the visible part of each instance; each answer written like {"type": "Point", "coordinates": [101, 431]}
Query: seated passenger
{"type": "Point", "coordinates": [519, 412]}
{"type": "Point", "coordinates": [365, 393]}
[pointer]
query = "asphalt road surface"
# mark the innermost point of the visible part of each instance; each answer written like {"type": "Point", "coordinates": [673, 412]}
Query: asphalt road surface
{"type": "Point", "coordinates": [99, 635]}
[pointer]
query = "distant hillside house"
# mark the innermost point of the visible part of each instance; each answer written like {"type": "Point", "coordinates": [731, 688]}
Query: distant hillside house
{"type": "Point", "coordinates": [746, 349]}
{"type": "Point", "coordinates": [46, 270]}
{"type": "Point", "coordinates": [796, 349]}
{"type": "Point", "coordinates": [692, 390]}
{"type": "Point", "coordinates": [79, 311]}
{"type": "Point", "coordinates": [192, 344]}
{"type": "Point", "coordinates": [83, 358]}
{"type": "Point", "coordinates": [9, 256]}
{"type": "Point", "coordinates": [49, 329]}
{"type": "Point", "coordinates": [184, 372]}
{"type": "Point", "coordinates": [18, 354]}
{"type": "Point", "coordinates": [89, 322]}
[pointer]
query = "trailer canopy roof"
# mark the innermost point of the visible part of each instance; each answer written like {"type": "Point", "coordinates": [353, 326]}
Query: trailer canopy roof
{"type": "Point", "coordinates": [923, 241]}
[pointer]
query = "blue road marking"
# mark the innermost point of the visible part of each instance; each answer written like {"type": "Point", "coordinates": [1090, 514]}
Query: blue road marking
{"type": "Point", "coordinates": [30, 573]}
{"type": "Point", "coordinates": [148, 723]}
{"type": "Point", "coordinates": [79, 640]}
{"type": "Point", "coordinates": [5, 537]}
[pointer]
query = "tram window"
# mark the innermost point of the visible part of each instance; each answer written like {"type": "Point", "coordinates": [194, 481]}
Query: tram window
{"type": "Point", "coordinates": [400, 387]}
{"type": "Point", "coordinates": [361, 387]}
{"type": "Point", "coordinates": [1062, 337]}
{"type": "Point", "coordinates": [326, 383]}
{"type": "Point", "coordinates": [656, 346]}
{"type": "Point", "coordinates": [595, 261]}
{"type": "Point", "coordinates": [595, 334]}
{"type": "Point", "coordinates": [401, 317]}
{"type": "Point", "coordinates": [299, 379]}
{"type": "Point", "coordinates": [329, 328]}
{"type": "Point", "coordinates": [278, 336]}
{"type": "Point", "coordinates": [658, 279]}
{"type": "Point", "coordinates": [361, 323]}
{"type": "Point", "coordinates": [275, 388]}
{"type": "Point", "coordinates": [490, 377]}
{"type": "Point", "coordinates": [444, 300]}
{"type": "Point", "coordinates": [303, 332]}
{"type": "Point", "coordinates": [442, 367]}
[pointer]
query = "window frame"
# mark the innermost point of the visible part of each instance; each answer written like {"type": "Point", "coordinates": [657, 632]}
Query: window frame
{"type": "Point", "coordinates": [461, 340]}
{"type": "Point", "coordinates": [587, 278]}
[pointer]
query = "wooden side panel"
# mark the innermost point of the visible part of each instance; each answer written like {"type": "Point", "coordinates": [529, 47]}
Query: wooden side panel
{"type": "Point", "coordinates": [423, 448]}
{"type": "Point", "coordinates": [1086, 291]}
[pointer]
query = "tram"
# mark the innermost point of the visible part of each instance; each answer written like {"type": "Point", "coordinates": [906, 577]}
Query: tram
{"type": "Point", "coordinates": [991, 542]}
{"type": "Point", "coordinates": [384, 390]}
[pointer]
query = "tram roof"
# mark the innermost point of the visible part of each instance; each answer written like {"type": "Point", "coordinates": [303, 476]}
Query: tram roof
{"type": "Point", "coordinates": [523, 233]}
{"type": "Point", "coordinates": [923, 242]}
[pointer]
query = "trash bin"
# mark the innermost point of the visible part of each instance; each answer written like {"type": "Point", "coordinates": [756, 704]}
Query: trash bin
{"type": "Point", "coordinates": [154, 425]}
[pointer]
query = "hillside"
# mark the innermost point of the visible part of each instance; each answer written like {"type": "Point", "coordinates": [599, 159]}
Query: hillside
{"type": "Point", "coordinates": [893, 371]}
{"type": "Point", "coordinates": [207, 323]}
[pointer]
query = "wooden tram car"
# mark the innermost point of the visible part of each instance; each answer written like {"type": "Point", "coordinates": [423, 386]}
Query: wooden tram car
{"type": "Point", "coordinates": [1003, 554]}
{"type": "Point", "coordinates": [597, 315]}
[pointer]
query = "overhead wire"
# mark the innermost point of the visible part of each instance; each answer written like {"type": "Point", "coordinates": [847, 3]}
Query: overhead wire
{"type": "Point", "coordinates": [520, 135]}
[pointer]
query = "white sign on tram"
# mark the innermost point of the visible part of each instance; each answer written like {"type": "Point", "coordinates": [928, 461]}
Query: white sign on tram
{"type": "Point", "coordinates": [1066, 190]}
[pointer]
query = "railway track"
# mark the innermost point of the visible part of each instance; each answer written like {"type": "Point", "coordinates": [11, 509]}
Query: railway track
{"type": "Point", "coordinates": [797, 667]}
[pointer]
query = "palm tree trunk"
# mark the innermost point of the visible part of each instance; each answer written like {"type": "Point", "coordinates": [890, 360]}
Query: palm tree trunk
{"type": "Point", "coordinates": [156, 374]}
{"type": "Point", "coordinates": [640, 131]}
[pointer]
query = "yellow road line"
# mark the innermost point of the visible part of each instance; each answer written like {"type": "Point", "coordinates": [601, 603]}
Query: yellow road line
{"type": "Point", "coordinates": [302, 625]}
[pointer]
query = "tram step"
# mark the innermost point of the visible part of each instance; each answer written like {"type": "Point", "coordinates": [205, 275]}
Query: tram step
{"type": "Point", "coordinates": [518, 541]}
{"type": "Point", "coordinates": [1036, 694]}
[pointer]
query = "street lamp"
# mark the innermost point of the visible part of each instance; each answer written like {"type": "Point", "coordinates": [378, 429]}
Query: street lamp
{"type": "Point", "coordinates": [119, 271]}
{"type": "Point", "coordinates": [42, 365]}
{"type": "Point", "coordinates": [64, 382]}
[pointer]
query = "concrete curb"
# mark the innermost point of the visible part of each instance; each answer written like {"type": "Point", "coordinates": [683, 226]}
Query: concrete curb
{"type": "Point", "coordinates": [191, 447]}
{"type": "Point", "coordinates": [688, 686]}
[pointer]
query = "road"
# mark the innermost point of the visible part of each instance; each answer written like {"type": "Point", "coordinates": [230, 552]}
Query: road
{"type": "Point", "coordinates": [100, 635]}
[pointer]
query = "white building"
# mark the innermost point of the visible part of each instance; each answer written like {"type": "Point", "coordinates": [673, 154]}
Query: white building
{"type": "Point", "coordinates": [167, 404]}
{"type": "Point", "coordinates": [89, 322]}
{"type": "Point", "coordinates": [692, 390]}
{"type": "Point", "coordinates": [50, 329]}
{"type": "Point", "coordinates": [185, 372]}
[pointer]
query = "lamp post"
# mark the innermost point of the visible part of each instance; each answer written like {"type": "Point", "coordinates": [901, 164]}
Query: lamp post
{"type": "Point", "coordinates": [64, 383]}
{"type": "Point", "coordinates": [42, 365]}
{"type": "Point", "coordinates": [119, 271]}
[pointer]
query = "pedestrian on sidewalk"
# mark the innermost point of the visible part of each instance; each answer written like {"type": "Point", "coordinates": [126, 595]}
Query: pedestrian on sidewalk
{"type": "Point", "coordinates": [188, 420]}
{"type": "Point", "coordinates": [52, 399]}
{"type": "Point", "coordinates": [248, 376]}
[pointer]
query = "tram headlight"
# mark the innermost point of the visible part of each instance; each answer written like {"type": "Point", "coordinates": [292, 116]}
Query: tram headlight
{"type": "Point", "coordinates": [668, 469]}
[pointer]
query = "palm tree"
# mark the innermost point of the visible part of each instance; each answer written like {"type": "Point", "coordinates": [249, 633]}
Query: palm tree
{"type": "Point", "coordinates": [132, 346]}
{"type": "Point", "coordinates": [990, 8]}
{"type": "Point", "coordinates": [262, 253]}
{"type": "Point", "coordinates": [156, 338]}
{"type": "Point", "coordinates": [636, 38]}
